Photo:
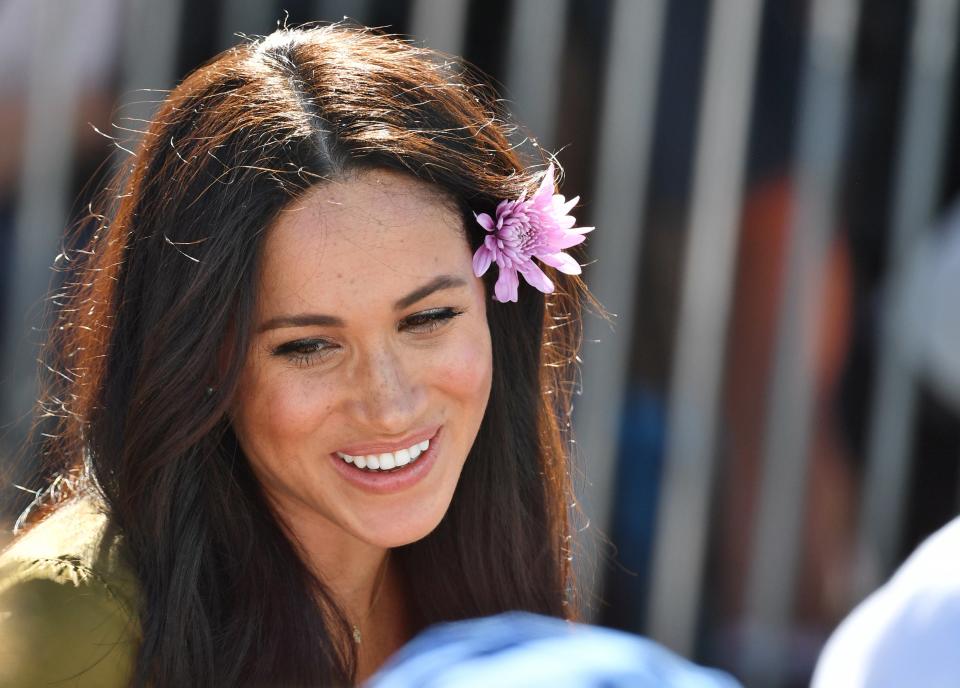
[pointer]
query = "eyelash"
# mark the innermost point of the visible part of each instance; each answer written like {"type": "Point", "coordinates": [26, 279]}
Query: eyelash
{"type": "Point", "coordinates": [304, 352]}
{"type": "Point", "coordinates": [428, 321]}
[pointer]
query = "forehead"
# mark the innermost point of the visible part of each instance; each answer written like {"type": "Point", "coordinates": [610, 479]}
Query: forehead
{"type": "Point", "coordinates": [368, 239]}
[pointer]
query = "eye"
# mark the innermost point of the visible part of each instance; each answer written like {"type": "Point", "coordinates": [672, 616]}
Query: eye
{"type": "Point", "coordinates": [304, 352]}
{"type": "Point", "coordinates": [430, 320]}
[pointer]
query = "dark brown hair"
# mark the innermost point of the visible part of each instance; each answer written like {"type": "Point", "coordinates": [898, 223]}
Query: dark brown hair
{"type": "Point", "coordinates": [161, 308]}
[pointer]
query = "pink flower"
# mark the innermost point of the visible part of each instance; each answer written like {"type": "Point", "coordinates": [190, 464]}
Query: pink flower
{"type": "Point", "coordinates": [524, 229]}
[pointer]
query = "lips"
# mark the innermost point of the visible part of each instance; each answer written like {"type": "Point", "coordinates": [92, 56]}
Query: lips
{"type": "Point", "coordinates": [391, 446]}
{"type": "Point", "coordinates": [398, 479]}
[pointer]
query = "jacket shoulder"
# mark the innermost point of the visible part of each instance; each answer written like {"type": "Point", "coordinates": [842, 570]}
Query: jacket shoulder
{"type": "Point", "coordinates": [67, 603]}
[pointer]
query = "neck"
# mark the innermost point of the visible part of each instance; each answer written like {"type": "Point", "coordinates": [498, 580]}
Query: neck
{"type": "Point", "coordinates": [366, 586]}
{"type": "Point", "coordinates": [351, 569]}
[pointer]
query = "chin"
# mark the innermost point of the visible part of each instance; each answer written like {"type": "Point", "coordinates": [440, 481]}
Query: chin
{"type": "Point", "coordinates": [402, 529]}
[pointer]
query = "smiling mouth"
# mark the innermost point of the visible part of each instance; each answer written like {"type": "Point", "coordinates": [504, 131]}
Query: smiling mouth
{"type": "Point", "coordinates": [387, 461]}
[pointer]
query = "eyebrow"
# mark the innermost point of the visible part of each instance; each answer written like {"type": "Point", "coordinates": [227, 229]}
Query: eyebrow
{"type": "Point", "coordinates": [436, 284]}
{"type": "Point", "coordinates": [317, 319]}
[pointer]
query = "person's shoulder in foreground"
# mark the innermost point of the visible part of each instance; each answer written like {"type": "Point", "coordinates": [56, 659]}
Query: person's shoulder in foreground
{"type": "Point", "coordinates": [517, 650]}
{"type": "Point", "coordinates": [67, 603]}
{"type": "Point", "coordinates": [907, 633]}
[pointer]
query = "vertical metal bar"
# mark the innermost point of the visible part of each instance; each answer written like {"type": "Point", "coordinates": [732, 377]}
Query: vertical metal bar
{"type": "Point", "coordinates": [920, 157]}
{"type": "Point", "coordinates": [777, 531]}
{"type": "Point", "coordinates": [42, 204]}
{"type": "Point", "coordinates": [683, 512]}
{"type": "Point", "coordinates": [618, 201]}
{"type": "Point", "coordinates": [149, 62]}
{"type": "Point", "coordinates": [535, 52]}
{"type": "Point", "coordinates": [249, 17]}
{"type": "Point", "coordinates": [441, 24]}
{"type": "Point", "coordinates": [335, 10]}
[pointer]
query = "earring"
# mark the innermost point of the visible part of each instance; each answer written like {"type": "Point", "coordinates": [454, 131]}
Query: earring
{"type": "Point", "coordinates": [210, 391]}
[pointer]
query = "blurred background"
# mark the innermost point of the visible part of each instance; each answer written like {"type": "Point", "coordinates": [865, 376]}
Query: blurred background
{"type": "Point", "coordinates": [772, 420]}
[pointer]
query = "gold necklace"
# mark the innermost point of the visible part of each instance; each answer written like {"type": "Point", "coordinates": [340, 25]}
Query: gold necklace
{"type": "Point", "coordinates": [357, 636]}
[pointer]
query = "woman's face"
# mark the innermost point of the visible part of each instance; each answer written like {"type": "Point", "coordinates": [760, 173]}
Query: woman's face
{"type": "Point", "coordinates": [371, 348]}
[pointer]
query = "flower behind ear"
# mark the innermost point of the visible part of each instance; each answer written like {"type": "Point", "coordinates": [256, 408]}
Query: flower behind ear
{"type": "Point", "coordinates": [524, 229]}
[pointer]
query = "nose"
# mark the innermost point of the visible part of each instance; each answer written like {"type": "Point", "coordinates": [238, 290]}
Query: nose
{"type": "Point", "coordinates": [388, 398]}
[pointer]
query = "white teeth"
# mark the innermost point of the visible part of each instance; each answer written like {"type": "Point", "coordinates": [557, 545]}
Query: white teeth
{"type": "Point", "coordinates": [387, 460]}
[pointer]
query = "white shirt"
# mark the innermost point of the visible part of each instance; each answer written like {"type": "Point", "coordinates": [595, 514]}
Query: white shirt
{"type": "Point", "coordinates": [907, 633]}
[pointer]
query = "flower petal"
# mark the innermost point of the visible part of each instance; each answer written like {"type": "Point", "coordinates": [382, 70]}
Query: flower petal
{"type": "Point", "coordinates": [485, 221]}
{"type": "Point", "coordinates": [562, 262]}
{"type": "Point", "coordinates": [547, 185]}
{"type": "Point", "coordinates": [506, 287]}
{"type": "Point", "coordinates": [481, 260]}
{"type": "Point", "coordinates": [564, 208]}
{"type": "Point", "coordinates": [535, 277]}
{"type": "Point", "coordinates": [567, 240]}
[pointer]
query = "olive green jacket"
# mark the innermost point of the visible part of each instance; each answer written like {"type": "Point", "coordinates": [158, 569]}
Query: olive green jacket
{"type": "Point", "coordinates": [68, 603]}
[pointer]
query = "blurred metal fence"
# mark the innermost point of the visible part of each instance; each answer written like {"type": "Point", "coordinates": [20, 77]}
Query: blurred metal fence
{"type": "Point", "coordinates": [616, 179]}
{"type": "Point", "coordinates": [918, 176]}
{"type": "Point", "coordinates": [823, 104]}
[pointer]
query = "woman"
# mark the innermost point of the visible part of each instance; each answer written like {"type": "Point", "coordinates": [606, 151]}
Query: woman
{"type": "Point", "coordinates": [293, 425]}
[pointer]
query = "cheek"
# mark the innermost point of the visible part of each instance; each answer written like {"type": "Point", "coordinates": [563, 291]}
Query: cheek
{"type": "Point", "coordinates": [465, 371]}
{"type": "Point", "coordinates": [279, 415]}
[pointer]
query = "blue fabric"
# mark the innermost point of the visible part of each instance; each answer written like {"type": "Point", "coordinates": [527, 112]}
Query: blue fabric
{"type": "Point", "coordinates": [519, 649]}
